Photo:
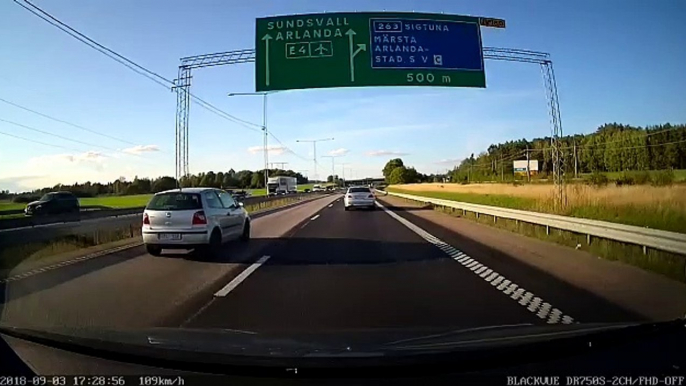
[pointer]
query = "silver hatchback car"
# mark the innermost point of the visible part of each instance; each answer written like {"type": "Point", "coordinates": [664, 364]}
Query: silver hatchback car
{"type": "Point", "coordinates": [357, 197]}
{"type": "Point", "coordinates": [193, 218]}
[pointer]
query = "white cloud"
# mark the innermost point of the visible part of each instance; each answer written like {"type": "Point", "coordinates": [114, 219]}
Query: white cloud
{"type": "Point", "coordinates": [449, 161]}
{"type": "Point", "coordinates": [380, 153]}
{"type": "Point", "coordinates": [339, 152]}
{"type": "Point", "coordinates": [273, 150]}
{"type": "Point", "coordinates": [87, 157]}
{"type": "Point", "coordinates": [141, 149]}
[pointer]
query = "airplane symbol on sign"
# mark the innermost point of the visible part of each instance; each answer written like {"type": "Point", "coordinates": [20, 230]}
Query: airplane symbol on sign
{"type": "Point", "coordinates": [320, 50]}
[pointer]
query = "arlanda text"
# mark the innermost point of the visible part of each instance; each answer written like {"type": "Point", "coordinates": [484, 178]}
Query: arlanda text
{"type": "Point", "coordinates": [316, 28]}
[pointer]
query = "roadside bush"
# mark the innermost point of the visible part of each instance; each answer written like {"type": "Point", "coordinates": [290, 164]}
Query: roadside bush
{"type": "Point", "coordinates": [625, 179]}
{"type": "Point", "coordinates": [24, 199]}
{"type": "Point", "coordinates": [641, 177]}
{"type": "Point", "coordinates": [663, 178]}
{"type": "Point", "coordinates": [597, 179]}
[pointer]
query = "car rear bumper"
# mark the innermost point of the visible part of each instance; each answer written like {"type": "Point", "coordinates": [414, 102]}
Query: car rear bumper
{"type": "Point", "coordinates": [366, 203]}
{"type": "Point", "coordinates": [188, 239]}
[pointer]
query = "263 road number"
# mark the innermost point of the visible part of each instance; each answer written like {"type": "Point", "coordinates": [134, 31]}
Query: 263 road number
{"type": "Point", "coordinates": [420, 77]}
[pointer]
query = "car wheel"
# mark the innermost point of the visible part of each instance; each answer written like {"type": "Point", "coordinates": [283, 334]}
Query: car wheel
{"type": "Point", "coordinates": [373, 207]}
{"type": "Point", "coordinates": [212, 248]}
{"type": "Point", "coordinates": [245, 236]}
{"type": "Point", "coordinates": [346, 208]}
{"type": "Point", "coordinates": [154, 250]}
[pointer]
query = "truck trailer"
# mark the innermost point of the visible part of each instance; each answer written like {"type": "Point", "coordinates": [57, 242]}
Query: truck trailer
{"type": "Point", "coordinates": [282, 185]}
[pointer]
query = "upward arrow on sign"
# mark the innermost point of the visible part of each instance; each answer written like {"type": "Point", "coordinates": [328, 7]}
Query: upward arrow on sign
{"type": "Point", "coordinates": [266, 39]}
{"type": "Point", "coordinates": [360, 47]}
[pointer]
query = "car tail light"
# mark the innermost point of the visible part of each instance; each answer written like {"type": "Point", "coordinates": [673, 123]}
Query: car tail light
{"type": "Point", "coordinates": [146, 219]}
{"type": "Point", "coordinates": [199, 218]}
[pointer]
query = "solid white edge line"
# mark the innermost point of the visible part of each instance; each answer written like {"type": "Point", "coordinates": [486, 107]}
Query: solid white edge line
{"type": "Point", "coordinates": [532, 303]}
{"type": "Point", "coordinates": [242, 276]}
{"type": "Point", "coordinates": [314, 218]}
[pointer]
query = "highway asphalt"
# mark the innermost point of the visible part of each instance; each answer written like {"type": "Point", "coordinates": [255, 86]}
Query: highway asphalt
{"type": "Point", "coordinates": [311, 267]}
{"type": "Point", "coordinates": [369, 270]}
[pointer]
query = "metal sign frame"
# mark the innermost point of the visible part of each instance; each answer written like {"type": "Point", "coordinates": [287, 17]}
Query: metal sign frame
{"type": "Point", "coordinates": [183, 85]}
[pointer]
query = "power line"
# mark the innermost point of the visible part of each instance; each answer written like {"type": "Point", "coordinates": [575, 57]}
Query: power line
{"type": "Point", "coordinates": [40, 143]}
{"type": "Point", "coordinates": [504, 159]}
{"type": "Point", "coordinates": [288, 149]}
{"type": "Point", "coordinates": [87, 41]}
{"type": "Point", "coordinates": [66, 123]}
{"type": "Point", "coordinates": [130, 64]}
{"type": "Point", "coordinates": [68, 139]}
{"type": "Point", "coordinates": [82, 37]}
{"type": "Point", "coordinates": [619, 148]}
{"type": "Point", "coordinates": [211, 108]}
{"type": "Point", "coordinates": [56, 135]}
{"type": "Point", "coordinates": [623, 139]}
{"type": "Point", "coordinates": [653, 145]}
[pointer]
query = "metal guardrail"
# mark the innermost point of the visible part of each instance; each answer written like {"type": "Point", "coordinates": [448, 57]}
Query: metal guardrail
{"type": "Point", "coordinates": [91, 213]}
{"type": "Point", "coordinates": [647, 238]}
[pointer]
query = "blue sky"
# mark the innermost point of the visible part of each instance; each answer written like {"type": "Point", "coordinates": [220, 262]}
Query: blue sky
{"type": "Point", "coordinates": [617, 61]}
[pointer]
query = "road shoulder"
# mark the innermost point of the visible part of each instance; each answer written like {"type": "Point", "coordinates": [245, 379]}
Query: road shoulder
{"type": "Point", "coordinates": [648, 294]}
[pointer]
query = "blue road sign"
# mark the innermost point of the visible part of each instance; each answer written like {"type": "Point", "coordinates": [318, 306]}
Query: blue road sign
{"type": "Point", "coordinates": [425, 44]}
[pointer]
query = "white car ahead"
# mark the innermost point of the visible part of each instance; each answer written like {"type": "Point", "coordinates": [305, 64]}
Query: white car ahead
{"type": "Point", "coordinates": [193, 218]}
{"type": "Point", "coordinates": [359, 197]}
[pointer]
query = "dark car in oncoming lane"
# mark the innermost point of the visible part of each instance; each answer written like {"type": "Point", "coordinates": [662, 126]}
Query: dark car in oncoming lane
{"type": "Point", "coordinates": [53, 203]}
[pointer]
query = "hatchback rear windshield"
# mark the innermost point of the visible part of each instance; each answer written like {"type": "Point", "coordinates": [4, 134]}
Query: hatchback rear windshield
{"type": "Point", "coordinates": [358, 190]}
{"type": "Point", "coordinates": [175, 201]}
{"type": "Point", "coordinates": [47, 197]}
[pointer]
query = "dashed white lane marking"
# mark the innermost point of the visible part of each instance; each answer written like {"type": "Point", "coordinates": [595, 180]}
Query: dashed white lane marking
{"type": "Point", "coordinates": [526, 299]}
{"type": "Point", "coordinates": [330, 205]}
{"type": "Point", "coordinates": [314, 218]}
{"type": "Point", "coordinates": [68, 262]}
{"type": "Point", "coordinates": [243, 275]}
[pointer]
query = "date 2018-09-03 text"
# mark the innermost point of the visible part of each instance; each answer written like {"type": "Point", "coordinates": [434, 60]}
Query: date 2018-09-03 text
{"type": "Point", "coordinates": [92, 380]}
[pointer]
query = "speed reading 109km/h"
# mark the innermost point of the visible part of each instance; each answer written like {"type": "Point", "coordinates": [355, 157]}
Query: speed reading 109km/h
{"type": "Point", "coordinates": [368, 49]}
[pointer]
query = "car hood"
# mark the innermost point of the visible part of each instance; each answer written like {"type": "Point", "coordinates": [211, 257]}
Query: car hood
{"type": "Point", "coordinates": [346, 343]}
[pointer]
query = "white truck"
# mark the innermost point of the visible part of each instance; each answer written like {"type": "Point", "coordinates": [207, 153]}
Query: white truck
{"type": "Point", "coordinates": [282, 185]}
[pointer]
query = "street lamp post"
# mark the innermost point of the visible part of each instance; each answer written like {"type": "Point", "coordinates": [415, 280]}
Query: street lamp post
{"type": "Point", "coordinates": [333, 169]}
{"type": "Point", "coordinates": [264, 129]}
{"type": "Point", "coordinates": [343, 165]}
{"type": "Point", "coordinates": [314, 145]}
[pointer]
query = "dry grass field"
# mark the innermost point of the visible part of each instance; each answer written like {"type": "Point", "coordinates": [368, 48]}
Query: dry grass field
{"type": "Point", "coordinates": [643, 205]}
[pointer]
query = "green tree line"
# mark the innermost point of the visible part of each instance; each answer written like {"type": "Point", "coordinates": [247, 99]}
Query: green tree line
{"type": "Point", "coordinates": [395, 172]}
{"type": "Point", "coordinates": [612, 147]}
{"type": "Point", "coordinates": [244, 179]}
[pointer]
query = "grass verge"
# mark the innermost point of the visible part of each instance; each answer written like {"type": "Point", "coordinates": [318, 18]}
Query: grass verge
{"type": "Point", "coordinates": [646, 206]}
{"type": "Point", "coordinates": [668, 264]}
{"type": "Point", "coordinates": [40, 254]}
{"type": "Point", "coordinates": [134, 201]}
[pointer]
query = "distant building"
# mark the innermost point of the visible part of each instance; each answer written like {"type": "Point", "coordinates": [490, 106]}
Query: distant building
{"type": "Point", "coordinates": [520, 167]}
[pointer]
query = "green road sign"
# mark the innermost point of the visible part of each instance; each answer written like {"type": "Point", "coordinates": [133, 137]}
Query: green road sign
{"type": "Point", "coordinates": [368, 49]}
